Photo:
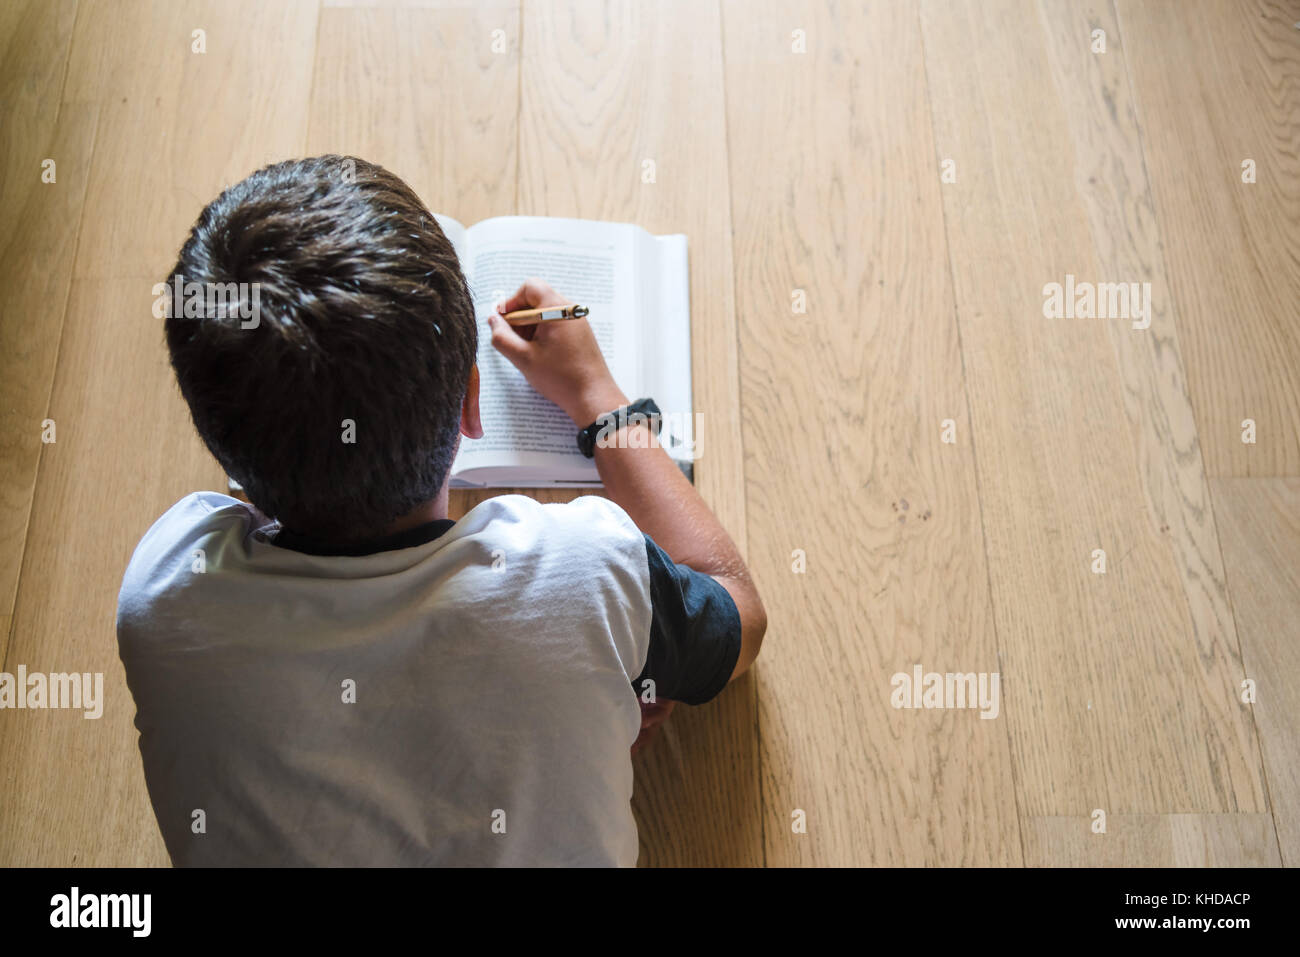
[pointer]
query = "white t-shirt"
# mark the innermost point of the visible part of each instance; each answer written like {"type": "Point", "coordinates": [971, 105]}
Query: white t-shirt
{"type": "Point", "coordinates": [468, 700]}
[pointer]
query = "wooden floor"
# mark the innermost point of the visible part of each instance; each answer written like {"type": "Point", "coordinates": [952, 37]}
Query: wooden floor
{"type": "Point", "coordinates": [916, 175]}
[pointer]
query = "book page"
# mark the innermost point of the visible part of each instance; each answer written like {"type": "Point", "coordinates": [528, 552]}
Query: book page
{"type": "Point", "coordinates": [590, 263]}
{"type": "Point", "coordinates": [665, 345]}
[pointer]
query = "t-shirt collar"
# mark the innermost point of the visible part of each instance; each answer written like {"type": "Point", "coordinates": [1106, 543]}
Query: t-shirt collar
{"type": "Point", "coordinates": [409, 538]}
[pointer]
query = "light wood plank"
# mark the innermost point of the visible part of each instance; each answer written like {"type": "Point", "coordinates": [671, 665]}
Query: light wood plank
{"type": "Point", "coordinates": [1259, 521]}
{"type": "Point", "coordinates": [35, 36]}
{"type": "Point", "coordinates": [606, 87]}
{"type": "Point", "coordinates": [1118, 697]}
{"type": "Point", "coordinates": [173, 126]}
{"type": "Point", "coordinates": [420, 92]}
{"type": "Point", "coordinates": [184, 124]}
{"type": "Point", "coordinates": [1110, 178]}
{"type": "Point", "coordinates": [35, 273]}
{"type": "Point", "coordinates": [38, 231]}
{"type": "Point", "coordinates": [1216, 84]}
{"type": "Point", "coordinates": [1153, 840]}
{"type": "Point", "coordinates": [835, 193]}
{"type": "Point", "coordinates": [1110, 181]}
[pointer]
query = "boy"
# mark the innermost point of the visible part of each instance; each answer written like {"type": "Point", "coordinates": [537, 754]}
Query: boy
{"type": "Point", "coordinates": [340, 674]}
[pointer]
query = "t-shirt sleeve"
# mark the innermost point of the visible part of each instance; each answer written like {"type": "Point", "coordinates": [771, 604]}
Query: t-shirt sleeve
{"type": "Point", "coordinates": [694, 632]}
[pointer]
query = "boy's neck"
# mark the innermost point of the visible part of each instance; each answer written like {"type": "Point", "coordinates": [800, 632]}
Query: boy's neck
{"type": "Point", "coordinates": [422, 514]}
{"type": "Point", "coordinates": [429, 511]}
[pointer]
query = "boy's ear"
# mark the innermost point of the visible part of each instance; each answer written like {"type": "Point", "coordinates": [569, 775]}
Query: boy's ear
{"type": "Point", "coordinates": [471, 426]}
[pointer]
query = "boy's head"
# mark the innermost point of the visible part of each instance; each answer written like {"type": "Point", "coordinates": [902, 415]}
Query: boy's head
{"type": "Point", "coordinates": [337, 404]}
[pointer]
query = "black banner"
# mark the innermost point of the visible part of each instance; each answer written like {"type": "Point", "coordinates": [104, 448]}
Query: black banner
{"type": "Point", "coordinates": [965, 907]}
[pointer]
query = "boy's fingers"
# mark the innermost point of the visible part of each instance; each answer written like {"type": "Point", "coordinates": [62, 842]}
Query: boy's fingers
{"type": "Point", "coordinates": [506, 341]}
{"type": "Point", "coordinates": [514, 303]}
{"type": "Point", "coordinates": [537, 293]}
{"type": "Point", "coordinates": [533, 293]}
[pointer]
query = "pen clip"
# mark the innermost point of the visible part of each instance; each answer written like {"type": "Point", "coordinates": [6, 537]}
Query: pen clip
{"type": "Point", "coordinates": [563, 312]}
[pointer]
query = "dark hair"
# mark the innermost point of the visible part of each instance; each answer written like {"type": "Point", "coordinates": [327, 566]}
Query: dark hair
{"type": "Point", "coordinates": [361, 312]}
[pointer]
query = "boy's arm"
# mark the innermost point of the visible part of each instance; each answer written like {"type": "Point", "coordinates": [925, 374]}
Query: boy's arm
{"type": "Point", "coordinates": [563, 362]}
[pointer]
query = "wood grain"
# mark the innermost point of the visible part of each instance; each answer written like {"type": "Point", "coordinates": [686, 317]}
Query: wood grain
{"type": "Point", "coordinates": [1259, 522]}
{"type": "Point", "coordinates": [1110, 178]}
{"type": "Point", "coordinates": [420, 91]}
{"type": "Point", "coordinates": [1153, 840]}
{"type": "Point", "coordinates": [36, 255]}
{"type": "Point", "coordinates": [183, 125]}
{"type": "Point", "coordinates": [844, 459]}
{"type": "Point", "coordinates": [1216, 84]}
{"type": "Point", "coordinates": [34, 39]}
{"type": "Point", "coordinates": [1118, 697]}
{"type": "Point", "coordinates": [38, 230]}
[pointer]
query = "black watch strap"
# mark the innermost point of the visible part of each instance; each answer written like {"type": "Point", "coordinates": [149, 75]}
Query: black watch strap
{"type": "Point", "coordinates": [609, 423]}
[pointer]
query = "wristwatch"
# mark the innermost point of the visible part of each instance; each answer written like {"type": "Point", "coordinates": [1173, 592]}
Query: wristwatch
{"type": "Point", "coordinates": [609, 423]}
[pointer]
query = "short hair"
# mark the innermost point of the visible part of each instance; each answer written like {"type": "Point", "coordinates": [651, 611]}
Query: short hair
{"type": "Point", "coordinates": [362, 313]}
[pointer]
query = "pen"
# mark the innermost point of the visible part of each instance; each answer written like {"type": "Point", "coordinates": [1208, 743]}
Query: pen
{"type": "Point", "coordinates": [529, 317]}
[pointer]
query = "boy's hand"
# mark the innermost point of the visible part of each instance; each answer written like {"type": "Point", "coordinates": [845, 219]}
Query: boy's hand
{"type": "Point", "coordinates": [560, 359]}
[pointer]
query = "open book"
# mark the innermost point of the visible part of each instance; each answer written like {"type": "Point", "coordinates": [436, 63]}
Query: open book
{"type": "Point", "coordinates": [637, 290]}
